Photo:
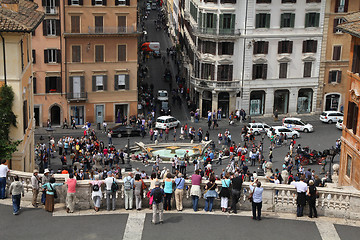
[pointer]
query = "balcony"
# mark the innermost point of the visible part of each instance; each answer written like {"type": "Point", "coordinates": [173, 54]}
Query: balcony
{"type": "Point", "coordinates": [76, 97]}
{"type": "Point", "coordinates": [51, 10]}
{"type": "Point", "coordinates": [112, 30]}
{"type": "Point", "coordinates": [218, 33]}
{"type": "Point", "coordinates": [215, 85]}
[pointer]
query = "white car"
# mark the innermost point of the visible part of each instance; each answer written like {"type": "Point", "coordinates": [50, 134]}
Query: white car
{"type": "Point", "coordinates": [297, 124]}
{"type": "Point", "coordinates": [339, 124]}
{"type": "Point", "coordinates": [258, 128]}
{"type": "Point", "coordinates": [331, 116]}
{"type": "Point", "coordinates": [163, 95]}
{"type": "Point", "coordinates": [280, 129]}
{"type": "Point", "coordinates": [166, 121]}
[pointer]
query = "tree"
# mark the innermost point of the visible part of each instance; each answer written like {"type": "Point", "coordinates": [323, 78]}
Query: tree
{"type": "Point", "coordinates": [7, 119]}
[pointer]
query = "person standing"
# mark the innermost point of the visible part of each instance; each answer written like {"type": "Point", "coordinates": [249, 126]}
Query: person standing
{"type": "Point", "coordinates": [96, 194]}
{"type": "Point", "coordinates": [195, 190]}
{"type": "Point", "coordinates": [109, 135]}
{"type": "Point", "coordinates": [179, 191]}
{"type": "Point", "coordinates": [236, 190]}
{"type": "Point", "coordinates": [301, 189]}
{"type": "Point", "coordinates": [168, 182]}
{"type": "Point", "coordinates": [256, 199]}
{"type": "Point", "coordinates": [3, 174]}
{"type": "Point", "coordinates": [138, 191]}
{"type": "Point", "coordinates": [129, 191]}
{"type": "Point", "coordinates": [35, 180]}
{"type": "Point", "coordinates": [110, 194]}
{"type": "Point", "coordinates": [45, 179]}
{"type": "Point", "coordinates": [312, 195]}
{"type": "Point", "coordinates": [50, 194]}
{"type": "Point", "coordinates": [210, 194]}
{"type": "Point", "coordinates": [225, 192]}
{"type": "Point", "coordinates": [70, 196]}
{"type": "Point", "coordinates": [157, 205]}
{"type": "Point", "coordinates": [16, 189]}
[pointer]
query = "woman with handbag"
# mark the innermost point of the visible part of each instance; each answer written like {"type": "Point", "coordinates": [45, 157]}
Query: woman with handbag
{"type": "Point", "coordinates": [210, 194]}
{"type": "Point", "coordinates": [96, 194]}
{"type": "Point", "coordinates": [225, 192]}
{"type": "Point", "coordinates": [312, 195]}
{"type": "Point", "coordinates": [50, 194]}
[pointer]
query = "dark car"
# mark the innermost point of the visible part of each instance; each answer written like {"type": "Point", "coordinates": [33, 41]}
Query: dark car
{"type": "Point", "coordinates": [121, 131]}
{"type": "Point", "coordinates": [165, 109]}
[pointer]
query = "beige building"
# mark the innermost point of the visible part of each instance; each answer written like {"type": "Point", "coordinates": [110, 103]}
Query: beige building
{"type": "Point", "coordinates": [18, 18]}
{"type": "Point", "coordinates": [335, 56]}
{"type": "Point", "coordinates": [100, 59]}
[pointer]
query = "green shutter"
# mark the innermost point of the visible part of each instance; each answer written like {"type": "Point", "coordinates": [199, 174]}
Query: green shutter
{"type": "Point", "coordinates": [257, 21]}
{"type": "Point", "coordinates": [317, 19]}
{"type": "Point", "coordinates": [215, 20]}
{"type": "Point", "coordinates": [200, 19]}
{"type": "Point", "coordinates": [292, 20]}
{"type": "Point", "coordinates": [267, 25]}
{"type": "Point", "coordinates": [307, 20]}
{"type": "Point", "coordinates": [221, 21]}
{"type": "Point", "coordinates": [232, 23]}
{"type": "Point", "coordinates": [282, 20]}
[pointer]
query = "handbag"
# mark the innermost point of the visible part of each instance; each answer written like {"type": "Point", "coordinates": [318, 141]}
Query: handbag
{"type": "Point", "coordinates": [250, 197]}
{"type": "Point", "coordinates": [53, 190]}
{"type": "Point", "coordinates": [206, 191]}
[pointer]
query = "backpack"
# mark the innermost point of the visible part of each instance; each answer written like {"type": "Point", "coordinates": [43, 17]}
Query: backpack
{"type": "Point", "coordinates": [95, 187]}
{"type": "Point", "coordinates": [157, 195]}
{"type": "Point", "coordinates": [127, 184]}
{"type": "Point", "coordinates": [114, 186]}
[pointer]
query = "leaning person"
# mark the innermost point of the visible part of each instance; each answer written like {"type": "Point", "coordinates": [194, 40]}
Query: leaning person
{"type": "Point", "coordinates": [71, 191]}
{"type": "Point", "coordinates": [195, 190]}
{"type": "Point", "coordinates": [256, 199]}
{"type": "Point", "coordinates": [312, 195]}
{"type": "Point", "coordinates": [16, 189]}
{"type": "Point", "coordinates": [96, 194]}
{"type": "Point", "coordinates": [50, 194]}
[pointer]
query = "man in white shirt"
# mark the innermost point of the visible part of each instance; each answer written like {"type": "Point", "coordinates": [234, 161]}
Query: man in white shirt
{"type": "Point", "coordinates": [108, 183]}
{"type": "Point", "coordinates": [35, 181]}
{"type": "Point", "coordinates": [129, 191]}
{"type": "Point", "coordinates": [301, 189]}
{"type": "Point", "coordinates": [3, 174]}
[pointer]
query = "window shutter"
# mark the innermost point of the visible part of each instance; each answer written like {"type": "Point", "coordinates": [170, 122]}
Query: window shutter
{"type": "Point", "coordinates": [215, 21]}
{"type": "Point", "coordinates": [58, 56]}
{"type": "Point", "coordinates": [349, 120]}
{"type": "Point", "coordinates": [82, 84]}
{"type": "Point", "coordinates": [266, 47]}
{"type": "Point", "coordinates": [254, 72]}
{"type": "Point", "coordinates": [58, 85]}
{"type": "Point", "coordinates": [105, 82]}
{"type": "Point", "coordinates": [264, 75]}
{"type": "Point", "coordinates": [47, 84]}
{"type": "Point", "coordinates": [317, 19]}
{"type": "Point", "coordinates": [231, 50]}
{"type": "Point", "coordinates": [104, 2]}
{"type": "Point", "coordinates": [346, 5]}
{"type": "Point", "coordinates": [127, 82]}
{"type": "Point", "coordinates": [337, 3]}
{"type": "Point", "coordinates": [330, 76]}
{"type": "Point", "coordinates": [127, 2]}
{"type": "Point", "coordinates": [220, 48]}
{"type": "Point", "coordinates": [232, 23]}
{"type": "Point", "coordinates": [200, 19]}
{"type": "Point", "coordinates": [46, 56]}
{"type": "Point", "coordinates": [116, 82]}
{"type": "Point", "coordinates": [292, 20]}
{"type": "Point", "coordinates": [43, 3]}
{"type": "Point", "coordinates": [93, 83]}
{"type": "Point", "coordinates": [81, 2]}
{"type": "Point", "coordinates": [335, 24]}
{"type": "Point", "coordinates": [221, 21]}
{"type": "Point", "coordinates": [307, 20]}
{"type": "Point", "coordinates": [57, 3]}
{"type": "Point", "coordinates": [71, 84]}
{"type": "Point", "coordinates": [58, 27]}
{"type": "Point", "coordinates": [290, 46]}
{"type": "Point", "coordinates": [257, 21]}
{"type": "Point", "coordinates": [34, 85]}
{"type": "Point", "coordinates": [45, 22]}
{"type": "Point", "coordinates": [33, 56]}
{"type": "Point", "coordinates": [314, 46]}
{"type": "Point", "coordinates": [279, 47]}
{"type": "Point", "coordinates": [355, 117]}
{"type": "Point", "coordinates": [267, 20]}
{"type": "Point", "coordinates": [255, 48]}
{"type": "Point", "coordinates": [282, 20]}
{"type": "Point", "coordinates": [339, 76]}
{"type": "Point", "coordinates": [69, 2]}
{"type": "Point", "coordinates": [93, 2]}
{"type": "Point", "coordinates": [117, 2]}
{"type": "Point", "coordinates": [304, 47]}
{"type": "Point", "coordinates": [230, 74]}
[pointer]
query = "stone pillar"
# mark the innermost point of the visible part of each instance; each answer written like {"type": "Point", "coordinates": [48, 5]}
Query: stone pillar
{"type": "Point", "coordinates": [293, 98]}
{"type": "Point", "coordinates": [232, 102]}
{"type": "Point", "coordinates": [200, 102]}
{"type": "Point", "coordinates": [214, 101]}
{"type": "Point", "coordinates": [269, 102]}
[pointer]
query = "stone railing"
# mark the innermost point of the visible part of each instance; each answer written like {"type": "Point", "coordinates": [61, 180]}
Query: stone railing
{"type": "Point", "coordinates": [216, 85]}
{"type": "Point", "coordinates": [332, 202]}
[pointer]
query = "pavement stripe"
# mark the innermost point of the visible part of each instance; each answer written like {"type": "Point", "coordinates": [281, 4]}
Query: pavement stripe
{"type": "Point", "coordinates": [327, 230]}
{"type": "Point", "coordinates": [134, 226]}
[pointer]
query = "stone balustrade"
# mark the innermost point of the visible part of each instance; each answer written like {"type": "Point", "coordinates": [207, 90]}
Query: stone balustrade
{"type": "Point", "coordinates": [342, 202]}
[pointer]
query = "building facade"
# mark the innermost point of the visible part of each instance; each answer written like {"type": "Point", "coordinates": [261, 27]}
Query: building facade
{"type": "Point", "coordinates": [349, 173]}
{"type": "Point", "coordinates": [335, 56]}
{"type": "Point", "coordinates": [18, 18]}
{"type": "Point", "coordinates": [244, 54]}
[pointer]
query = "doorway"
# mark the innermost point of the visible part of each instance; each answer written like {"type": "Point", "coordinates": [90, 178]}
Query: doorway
{"type": "Point", "coordinates": [281, 101]}
{"type": "Point", "coordinates": [37, 116]}
{"type": "Point", "coordinates": [121, 110]}
{"type": "Point", "coordinates": [77, 113]}
{"type": "Point", "coordinates": [55, 115]}
{"type": "Point", "coordinates": [99, 113]}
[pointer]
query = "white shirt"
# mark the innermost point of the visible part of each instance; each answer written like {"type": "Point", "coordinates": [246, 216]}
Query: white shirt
{"type": "Point", "coordinates": [3, 170]}
{"type": "Point", "coordinates": [300, 186]}
{"type": "Point", "coordinates": [108, 181]}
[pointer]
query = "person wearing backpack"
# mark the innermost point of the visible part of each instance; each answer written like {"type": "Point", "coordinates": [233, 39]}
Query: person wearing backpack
{"type": "Point", "coordinates": [96, 194]}
{"type": "Point", "coordinates": [179, 191]}
{"type": "Point", "coordinates": [157, 205]}
{"type": "Point", "coordinates": [111, 187]}
{"type": "Point", "coordinates": [129, 191]}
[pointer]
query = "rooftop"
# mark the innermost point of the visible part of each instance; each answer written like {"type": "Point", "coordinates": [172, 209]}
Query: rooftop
{"type": "Point", "coordinates": [352, 26]}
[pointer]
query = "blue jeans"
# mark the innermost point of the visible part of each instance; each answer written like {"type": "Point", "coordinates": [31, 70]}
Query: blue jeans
{"type": "Point", "coordinates": [2, 187]}
{"type": "Point", "coordinates": [16, 202]}
{"type": "Point", "coordinates": [209, 204]}
{"type": "Point", "coordinates": [195, 201]}
{"type": "Point", "coordinates": [43, 197]}
{"type": "Point", "coordinates": [300, 210]}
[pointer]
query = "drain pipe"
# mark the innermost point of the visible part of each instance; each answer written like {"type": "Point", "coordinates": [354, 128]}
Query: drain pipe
{"type": "Point", "coordinates": [244, 47]}
{"type": "Point", "coordinates": [4, 56]}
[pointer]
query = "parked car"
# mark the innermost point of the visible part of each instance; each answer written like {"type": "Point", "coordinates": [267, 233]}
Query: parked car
{"type": "Point", "coordinates": [165, 109]}
{"type": "Point", "coordinates": [163, 95]}
{"type": "Point", "coordinates": [148, 7]}
{"type": "Point", "coordinates": [331, 116]}
{"type": "Point", "coordinates": [123, 130]}
{"type": "Point", "coordinates": [167, 121]}
{"type": "Point", "coordinates": [339, 124]}
{"type": "Point", "coordinates": [280, 129]}
{"type": "Point", "coordinates": [153, 6]}
{"type": "Point", "coordinates": [258, 128]}
{"type": "Point", "coordinates": [297, 124]}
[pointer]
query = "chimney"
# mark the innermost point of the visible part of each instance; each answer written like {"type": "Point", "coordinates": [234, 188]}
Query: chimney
{"type": "Point", "coordinates": [12, 5]}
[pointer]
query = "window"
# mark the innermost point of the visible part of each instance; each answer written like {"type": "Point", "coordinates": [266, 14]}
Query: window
{"type": "Point", "coordinates": [341, 6]}
{"type": "Point", "coordinates": [312, 19]}
{"type": "Point", "coordinates": [287, 20]}
{"type": "Point", "coordinates": [228, 1]}
{"type": "Point", "coordinates": [121, 82]}
{"type": "Point", "coordinates": [336, 53]}
{"type": "Point", "coordinates": [348, 165]}
{"type": "Point", "coordinates": [98, 2]}
{"type": "Point", "coordinates": [313, 1]}
{"type": "Point", "coordinates": [227, 23]}
{"type": "Point", "coordinates": [307, 69]}
{"type": "Point", "coordinates": [76, 53]}
{"type": "Point", "coordinates": [210, 20]}
{"type": "Point", "coordinates": [120, 2]}
{"type": "Point", "coordinates": [75, 24]}
{"type": "Point", "coordinates": [25, 115]}
{"type": "Point", "coordinates": [309, 46]}
{"type": "Point", "coordinates": [288, 1]}
{"type": "Point", "coordinates": [338, 21]}
{"type": "Point", "coordinates": [207, 71]}
{"type": "Point", "coordinates": [226, 48]}
{"type": "Point", "coordinates": [283, 70]}
{"type": "Point", "coordinates": [99, 24]}
{"type": "Point", "coordinates": [53, 85]}
{"type": "Point", "coordinates": [261, 47]}
{"type": "Point", "coordinates": [121, 53]}
{"type": "Point", "coordinates": [193, 11]}
{"type": "Point", "coordinates": [99, 53]}
{"type": "Point", "coordinates": [209, 47]}
{"type": "Point", "coordinates": [355, 68]}
{"type": "Point", "coordinates": [263, 1]}
{"type": "Point", "coordinates": [335, 76]}
{"type": "Point", "coordinates": [52, 56]}
{"type": "Point", "coordinates": [352, 116]}
{"type": "Point", "coordinates": [225, 73]}
{"type": "Point", "coordinates": [263, 20]}
{"type": "Point", "coordinates": [51, 27]}
{"type": "Point", "coordinates": [259, 71]}
{"type": "Point", "coordinates": [34, 85]}
{"type": "Point", "coordinates": [33, 56]}
{"type": "Point", "coordinates": [121, 24]}
{"type": "Point", "coordinates": [285, 47]}
{"type": "Point", "coordinates": [75, 2]}
{"type": "Point", "coordinates": [99, 83]}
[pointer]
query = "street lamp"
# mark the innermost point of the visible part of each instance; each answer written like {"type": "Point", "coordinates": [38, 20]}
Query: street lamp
{"type": "Point", "coordinates": [128, 167]}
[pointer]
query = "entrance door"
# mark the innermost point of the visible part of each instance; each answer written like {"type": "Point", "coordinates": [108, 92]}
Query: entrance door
{"type": "Point", "coordinates": [281, 101]}
{"type": "Point", "coordinates": [332, 102]}
{"type": "Point", "coordinates": [77, 112]}
{"type": "Point", "coordinates": [37, 116]}
{"type": "Point", "coordinates": [77, 87]}
{"type": "Point", "coordinates": [99, 113]}
{"type": "Point", "coordinates": [120, 112]}
{"type": "Point", "coordinates": [55, 115]}
{"type": "Point", "coordinates": [223, 103]}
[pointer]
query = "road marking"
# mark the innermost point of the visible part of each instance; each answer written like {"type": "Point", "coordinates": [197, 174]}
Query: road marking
{"type": "Point", "coordinates": [327, 230]}
{"type": "Point", "coordinates": [134, 226]}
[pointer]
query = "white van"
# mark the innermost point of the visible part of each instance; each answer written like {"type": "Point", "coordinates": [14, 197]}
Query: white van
{"type": "Point", "coordinates": [163, 95]}
{"type": "Point", "coordinates": [297, 124]}
{"type": "Point", "coordinates": [166, 121]}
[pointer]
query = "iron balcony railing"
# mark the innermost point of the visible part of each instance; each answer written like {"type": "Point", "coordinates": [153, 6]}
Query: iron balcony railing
{"type": "Point", "coordinates": [112, 30]}
{"type": "Point", "coordinates": [211, 84]}
{"type": "Point", "coordinates": [51, 10]}
{"type": "Point", "coordinates": [81, 96]}
{"type": "Point", "coordinates": [217, 32]}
